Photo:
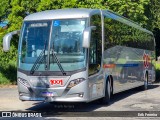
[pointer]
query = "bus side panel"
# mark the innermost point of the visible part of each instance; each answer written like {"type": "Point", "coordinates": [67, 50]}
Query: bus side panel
{"type": "Point", "coordinates": [126, 66]}
{"type": "Point", "coordinates": [127, 52]}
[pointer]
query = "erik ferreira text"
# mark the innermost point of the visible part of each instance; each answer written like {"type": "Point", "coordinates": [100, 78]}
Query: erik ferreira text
{"type": "Point", "coordinates": [147, 115]}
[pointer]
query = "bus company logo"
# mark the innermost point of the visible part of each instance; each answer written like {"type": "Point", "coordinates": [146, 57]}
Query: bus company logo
{"type": "Point", "coordinates": [146, 60]}
{"type": "Point", "coordinates": [56, 82]}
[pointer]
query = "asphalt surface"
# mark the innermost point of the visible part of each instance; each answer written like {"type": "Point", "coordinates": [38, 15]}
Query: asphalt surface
{"type": "Point", "coordinates": [129, 105]}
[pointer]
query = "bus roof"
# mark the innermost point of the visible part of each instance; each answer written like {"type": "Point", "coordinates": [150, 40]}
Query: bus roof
{"type": "Point", "coordinates": [62, 14]}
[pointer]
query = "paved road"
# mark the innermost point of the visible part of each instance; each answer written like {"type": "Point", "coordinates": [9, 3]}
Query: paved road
{"type": "Point", "coordinates": [131, 100]}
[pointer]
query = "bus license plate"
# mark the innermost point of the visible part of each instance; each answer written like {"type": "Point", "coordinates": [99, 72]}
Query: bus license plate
{"type": "Point", "coordinates": [48, 94]}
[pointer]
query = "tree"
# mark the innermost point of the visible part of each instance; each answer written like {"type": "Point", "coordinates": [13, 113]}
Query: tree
{"type": "Point", "coordinates": [154, 21]}
{"type": "Point", "coordinates": [94, 4]}
{"type": "Point", "coordinates": [19, 10]}
{"type": "Point", "coordinates": [132, 9]}
{"type": "Point", "coordinates": [58, 4]}
{"type": "Point", "coordinates": [154, 8]}
{"type": "Point", "coordinates": [4, 9]}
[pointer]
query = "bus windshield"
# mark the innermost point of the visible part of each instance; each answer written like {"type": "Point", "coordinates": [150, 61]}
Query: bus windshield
{"type": "Point", "coordinates": [56, 39]}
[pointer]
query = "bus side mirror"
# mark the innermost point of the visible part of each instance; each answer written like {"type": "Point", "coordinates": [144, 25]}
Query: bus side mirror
{"type": "Point", "coordinates": [87, 36]}
{"type": "Point", "coordinates": [7, 38]}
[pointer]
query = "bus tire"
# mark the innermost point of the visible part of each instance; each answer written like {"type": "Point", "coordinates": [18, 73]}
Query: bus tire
{"type": "Point", "coordinates": [146, 82]}
{"type": "Point", "coordinates": [107, 97]}
{"type": "Point", "coordinates": [145, 86]}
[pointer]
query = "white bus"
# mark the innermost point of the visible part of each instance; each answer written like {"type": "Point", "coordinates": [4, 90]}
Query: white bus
{"type": "Point", "coordinates": [81, 55]}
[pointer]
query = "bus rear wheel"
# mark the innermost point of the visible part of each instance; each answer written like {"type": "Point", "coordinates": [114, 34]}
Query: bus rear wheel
{"type": "Point", "coordinates": [146, 82]}
{"type": "Point", "coordinates": [107, 97]}
{"type": "Point", "coordinates": [145, 85]}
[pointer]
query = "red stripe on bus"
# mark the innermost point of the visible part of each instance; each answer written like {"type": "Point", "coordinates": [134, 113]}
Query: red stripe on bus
{"type": "Point", "coordinates": [109, 66]}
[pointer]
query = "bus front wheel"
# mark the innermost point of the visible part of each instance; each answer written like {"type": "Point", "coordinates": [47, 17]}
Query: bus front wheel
{"type": "Point", "coordinates": [108, 90]}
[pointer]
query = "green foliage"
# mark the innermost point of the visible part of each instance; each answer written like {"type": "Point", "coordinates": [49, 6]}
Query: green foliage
{"type": "Point", "coordinates": [55, 4]}
{"type": "Point", "coordinates": [154, 16]}
{"type": "Point", "coordinates": [7, 62]}
{"type": "Point", "coordinates": [132, 9]}
{"type": "Point", "coordinates": [4, 9]}
{"type": "Point", "coordinates": [8, 73]}
{"type": "Point", "coordinates": [157, 66]}
{"type": "Point", "coordinates": [58, 4]}
{"type": "Point", "coordinates": [97, 4]}
{"type": "Point", "coordinates": [19, 10]}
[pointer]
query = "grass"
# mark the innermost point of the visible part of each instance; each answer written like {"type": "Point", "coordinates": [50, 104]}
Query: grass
{"type": "Point", "coordinates": [8, 75]}
{"type": "Point", "coordinates": [158, 71]}
{"type": "Point", "coordinates": [158, 65]}
{"type": "Point", "coordinates": [4, 80]}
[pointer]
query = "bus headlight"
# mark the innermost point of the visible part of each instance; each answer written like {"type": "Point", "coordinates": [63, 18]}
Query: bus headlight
{"type": "Point", "coordinates": [24, 82]}
{"type": "Point", "coordinates": [75, 82]}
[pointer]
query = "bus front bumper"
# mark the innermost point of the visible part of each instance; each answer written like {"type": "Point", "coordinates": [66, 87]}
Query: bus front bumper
{"type": "Point", "coordinates": [78, 93]}
{"type": "Point", "coordinates": [53, 99]}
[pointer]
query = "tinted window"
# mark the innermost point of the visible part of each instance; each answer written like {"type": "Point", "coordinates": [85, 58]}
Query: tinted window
{"type": "Point", "coordinates": [118, 33]}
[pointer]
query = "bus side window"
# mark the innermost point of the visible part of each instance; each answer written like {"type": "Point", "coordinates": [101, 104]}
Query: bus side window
{"type": "Point", "coordinates": [95, 50]}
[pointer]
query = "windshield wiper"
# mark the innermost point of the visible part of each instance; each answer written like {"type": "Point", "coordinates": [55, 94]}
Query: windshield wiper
{"type": "Point", "coordinates": [58, 62]}
{"type": "Point", "coordinates": [39, 60]}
